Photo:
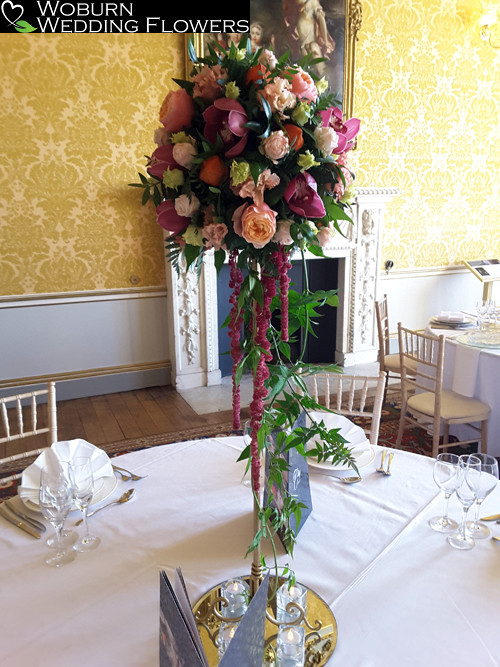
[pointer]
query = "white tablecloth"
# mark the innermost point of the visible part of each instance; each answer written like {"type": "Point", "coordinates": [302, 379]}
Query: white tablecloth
{"type": "Point", "coordinates": [484, 382]}
{"type": "Point", "coordinates": [401, 595]}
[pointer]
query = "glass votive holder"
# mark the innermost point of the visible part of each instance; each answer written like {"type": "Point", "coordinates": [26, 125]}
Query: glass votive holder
{"type": "Point", "coordinates": [290, 646]}
{"type": "Point", "coordinates": [226, 633]}
{"type": "Point", "coordinates": [236, 592]}
{"type": "Point", "coordinates": [296, 593]}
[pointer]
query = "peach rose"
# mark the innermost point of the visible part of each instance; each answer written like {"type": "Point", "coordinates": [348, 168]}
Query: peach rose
{"type": "Point", "coordinates": [256, 223]}
{"type": "Point", "coordinates": [283, 236]}
{"type": "Point", "coordinates": [303, 86]}
{"type": "Point", "coordinates": [207, 82]}
{"type": "Point", "coordinates": [275, 146]}
{"type": "Point", "coordinates": [177, 110]}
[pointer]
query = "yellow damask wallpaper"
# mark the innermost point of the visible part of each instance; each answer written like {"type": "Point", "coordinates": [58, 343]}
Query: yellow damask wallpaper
{"type": "Point", "coordinates": [78, 114]}
{"type": "Point", "coordinates": [428, 91]}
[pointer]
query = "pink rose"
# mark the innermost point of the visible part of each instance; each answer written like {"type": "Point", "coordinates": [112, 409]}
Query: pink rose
{"type": "Point", "coordinates": [168, 218]}
{"type": "Point", "coordinates": [279, 95]}
{"type": "Point", "coordinates": [186, 205]}
{"type": "Point", "coordinates": [177, 110]}
{"type": "Point", "coordinates": [184, 153]}
{"type": "Point", "coordinates": [324, 236]}
{"type": "Point", "coordinates": [303, 86]}
{"type": "Point", "coordinates": [283, 236]}
{"type": "Point", "coordinates": [207, 83]}
{"type": "Point", "coordinates": [275, 146]}
{"type": "Point", "coordinates": [214, 234]}
{"type": "Point", "coordinates": [302, 197]}
{"type": "Point", "coordinates": [226, 118]}
{"type": "Point", "coordinates": [256, 223]}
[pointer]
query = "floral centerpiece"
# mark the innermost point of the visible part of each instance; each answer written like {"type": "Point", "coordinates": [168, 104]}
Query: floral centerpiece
{"type": "Point", "coordinates": [251, 165]}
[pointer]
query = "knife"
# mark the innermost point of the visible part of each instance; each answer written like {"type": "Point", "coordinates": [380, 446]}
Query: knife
{"type": "Point", "coordinates": [20, 524]}
{"type": "Point", "coordinates": [493, 517]}
{"type": "Point", "coordinates": [38, 525]}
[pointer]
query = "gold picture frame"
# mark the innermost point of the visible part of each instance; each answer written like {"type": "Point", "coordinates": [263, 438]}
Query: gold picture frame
{"type": "Point", "coordinates": [335, 23]}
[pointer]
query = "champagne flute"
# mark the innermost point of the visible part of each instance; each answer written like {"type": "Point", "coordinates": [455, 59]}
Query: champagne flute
{"type": "Point", "coordinates": [446, 477]}
{"type": "Point", "coordinates": [488, 481]}
{"type": "Point", "coordinates": [55, 498]}
{"type": "Point", "coordinates": [469, 475]}
{"type": "Point", "coordinates": [82, 478]}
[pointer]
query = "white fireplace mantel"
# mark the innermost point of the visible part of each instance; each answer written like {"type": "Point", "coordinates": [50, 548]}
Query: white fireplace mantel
{"type": "Point", "coordinates": [192, 302]}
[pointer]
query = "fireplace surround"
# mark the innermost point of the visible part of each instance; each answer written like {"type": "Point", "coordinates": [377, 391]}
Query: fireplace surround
{"type": "Point", "coordinates": [192, 301]}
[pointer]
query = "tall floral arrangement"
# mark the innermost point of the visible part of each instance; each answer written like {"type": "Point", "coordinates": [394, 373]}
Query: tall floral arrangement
{"type": "Point", "coordinates": [251, 164]}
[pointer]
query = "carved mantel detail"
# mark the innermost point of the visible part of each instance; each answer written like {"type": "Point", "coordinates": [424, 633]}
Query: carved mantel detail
{"type": "Point", "coordinates": [193, 330]}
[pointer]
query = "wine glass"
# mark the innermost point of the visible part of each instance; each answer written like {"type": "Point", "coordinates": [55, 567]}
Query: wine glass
{"type": "Point", "coordinates": [469, 475]}
{"type": "Point", "coordinates": [482, 308]}
{"type": "Point", "coordinates": [55, 498]}
{"type": "Point", "coordinates": [68, 536]}
{"type": "Point", "coordinates": [82, 477]}
{"type": "Point", "coordinates": [487, 482]}
{"type": "Point", "coordinates": [446, 477]}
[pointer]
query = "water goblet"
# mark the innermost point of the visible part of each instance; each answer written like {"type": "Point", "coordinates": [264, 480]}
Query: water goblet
{"type": "Point", "coordinates": [469, 475]}
{"type": "Point", "coordinates": [482, 312]}
{"type": "Point", "coordinates": [445, 475]}
{"type": "Point", "coordinates": [68, 536]}
{"type": "Point", "coordinates": [80, 470]}
{"type": "Point", "coordinates": [487, 482]}
{"type": "Point", "coordinates": [55, 498]}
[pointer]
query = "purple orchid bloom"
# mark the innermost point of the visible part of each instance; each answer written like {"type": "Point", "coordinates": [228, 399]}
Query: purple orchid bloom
{"type": "Point", "coordinates": [346, 129]}
{"type": "Point", "coordinates": [227, 118]}
{"type": "Point", "coordinates": [161, 160]}
{"type": "Point", "coordinates": [302, 197]}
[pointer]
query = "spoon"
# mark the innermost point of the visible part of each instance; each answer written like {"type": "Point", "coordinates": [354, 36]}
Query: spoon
{"type": "Point", "coordinates": [122, 499]}
{"type": "Point", "coordinates": [349, 480]}
{"type": "Point", "coordinates": [495, 537]}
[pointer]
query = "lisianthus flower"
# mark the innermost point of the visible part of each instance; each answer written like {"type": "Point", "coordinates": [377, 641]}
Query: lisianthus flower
{"type": "Point", "coordinates": [239, 171]}
{"type": "Point", "coordinates": [161, 160]}
{"type": "Point", "coordinates": [214, 234]}
{"type": "Point", "coordinates": [226, 118]}
{"type": "Point", "coordinates": [168, 218]}
{"type": "Point", "coordinates": [208, 82]}
{"type": "Point", "coordinates": [321, 85]}
{"type": "Point", "coordinates": [193, 236]}
{"type": "Point", "coordinates": [306, 160]}
{"type": "Point", "coordinates": [301, 113]}
{"type": "Point", "coordinates": [177, 110]}
{"type": "Point", "coordinates": [279, 95]}
{"type": "Point", "coordinates": [301, 195]}
{"type": "Point", "coordinates": [282, 235]}
{"type": "Point", "coordinates": [256, 223]}
{"type": "Point", "coordinates": [266, 181]}
{"type": "Point", "coordinates": [346, 130]}
{"type": "Point", "coordinates": [187, 205]}
{"type": "Point", "coordinates": [232, 91]}
{"type": "Point", "coordinates": [303, 86]}
{"type": "Point", "coordinates": [275, 146]}
{"type": "Point", "coordinates": [173, 178]}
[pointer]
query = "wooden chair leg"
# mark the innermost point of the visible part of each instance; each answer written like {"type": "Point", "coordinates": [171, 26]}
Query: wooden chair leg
{"type": "Point", "coordinates": [401, 426]}
{"type": "Point", "coordinates": [483, 443]}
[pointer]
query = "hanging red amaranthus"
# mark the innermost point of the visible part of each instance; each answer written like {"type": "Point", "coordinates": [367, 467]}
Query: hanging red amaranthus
{"type": "Point", "coordinates": [281, 258]}
{"type": "Point", "coordinates": [235, 324]}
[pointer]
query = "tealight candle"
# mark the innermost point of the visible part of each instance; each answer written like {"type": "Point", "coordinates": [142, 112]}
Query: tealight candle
{"type": "Point", "coordinates": [226, 633]}
{"type": "Point", "coordinates": [236, 592]}
{"type": "Point", "coordinates": [296, 593]}
{"type": "Point", "coordinates": [290, 646]}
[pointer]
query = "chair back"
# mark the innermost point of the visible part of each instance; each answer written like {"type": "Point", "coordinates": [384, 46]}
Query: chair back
{"type": "Point", "coordinates": [20, 419]}
{"type": "Point", "coordinates": [352, 396]}
{"type": "Point", "coordinates": [424, 352]}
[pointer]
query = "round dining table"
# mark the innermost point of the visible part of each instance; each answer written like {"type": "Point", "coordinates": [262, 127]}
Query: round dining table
{"type": "Point", "coordinates": [401, 595]}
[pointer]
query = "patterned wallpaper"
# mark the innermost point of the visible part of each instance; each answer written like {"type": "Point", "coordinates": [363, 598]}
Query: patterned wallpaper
{"type": "Point", "coordinates": [78, 114]}
{"type": "Point", "coordinates": [428, 91]}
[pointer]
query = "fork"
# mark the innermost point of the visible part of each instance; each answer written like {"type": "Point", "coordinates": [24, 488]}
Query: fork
{"type": "Point", "coordinates": [127, 475]}
{"type": "Point", "coordinates": [388, 471]}
{"type": "Point", "coordinates": [381, 469]}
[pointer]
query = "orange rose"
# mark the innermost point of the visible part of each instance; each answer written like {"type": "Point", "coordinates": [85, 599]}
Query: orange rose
{"type": "Point", "coordinates": [255, 73]}
{"type": "Point", "coordinates": [294, 134]}
{"type": "Point", "coordinates": [177, 110]}
{"type": "Point", "coordinates": [213, 171]}
{"type": "Point", "coordinates": [256, 223]}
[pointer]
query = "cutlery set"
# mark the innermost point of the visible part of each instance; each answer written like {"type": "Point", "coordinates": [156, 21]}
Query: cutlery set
{"type": "Point", "coordinates": [389, 461]}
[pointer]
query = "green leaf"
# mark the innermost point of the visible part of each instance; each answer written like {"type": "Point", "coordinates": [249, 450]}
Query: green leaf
{"type": "Point", "coordinates": [24, 26]}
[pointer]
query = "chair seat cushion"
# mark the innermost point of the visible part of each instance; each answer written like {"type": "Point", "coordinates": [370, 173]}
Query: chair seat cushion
{"type": "Point", "coordinates": [391, 363]}
{"type": "Point", "coordinates": [453, 406]}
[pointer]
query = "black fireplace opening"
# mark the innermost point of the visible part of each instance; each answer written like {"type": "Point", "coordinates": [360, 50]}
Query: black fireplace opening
{"type": "Point", "coordinates": [322, 274]}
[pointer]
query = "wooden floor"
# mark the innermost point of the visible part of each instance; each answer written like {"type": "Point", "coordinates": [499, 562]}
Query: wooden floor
{"type": "Point", "coordinates": [122, 416]}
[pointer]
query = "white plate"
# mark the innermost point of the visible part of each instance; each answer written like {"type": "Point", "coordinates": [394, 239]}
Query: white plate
{"type": "Point", "coordinates": [454, 324]}
{"type": "Point", "coordinates": [105, 479]}
{"type": "Point", "coordinates": [362, 451]}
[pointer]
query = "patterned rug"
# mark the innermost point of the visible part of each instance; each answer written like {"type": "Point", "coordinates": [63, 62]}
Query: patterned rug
{"type": "Point", "coordinates": [415, 440]}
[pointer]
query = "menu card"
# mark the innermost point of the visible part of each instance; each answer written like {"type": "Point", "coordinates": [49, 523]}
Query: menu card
{"type": "Point", "coordinates": [180, 641]}
{"type": "Point", "coordinates": [295, 482]}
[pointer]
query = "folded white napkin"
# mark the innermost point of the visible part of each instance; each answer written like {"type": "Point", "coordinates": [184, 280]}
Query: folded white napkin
{"type": "Point", "coordinates": [448, 316]}
{"type": "Point", "coordinates": [354, 434]}
{"type": "Point", "coordinates": [465, 370]}
{"type": "Point", "coordinates": [65, 450]}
